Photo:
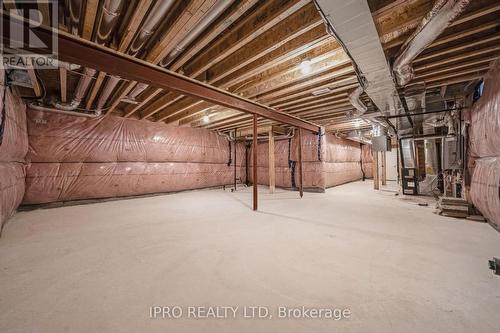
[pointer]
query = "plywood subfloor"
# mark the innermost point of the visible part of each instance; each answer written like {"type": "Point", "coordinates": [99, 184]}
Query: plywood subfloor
{"type": "Point", "coordinates": [100, 267]}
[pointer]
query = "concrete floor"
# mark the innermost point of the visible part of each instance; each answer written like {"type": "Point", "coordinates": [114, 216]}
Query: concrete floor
{"type": "Point", "coordinates": [100, 267]}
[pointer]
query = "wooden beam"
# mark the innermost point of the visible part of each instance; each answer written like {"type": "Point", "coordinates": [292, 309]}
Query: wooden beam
{"type": "Point", "coordinates": [63, 76]}
{"type": "Point", "coordinates": [254, 169]}
{"type": "Point", "coordinates": [143, 102]}
{"type": "Point", "coordinates": [383, 168]}
{"type": "Point", "coordinates": [269, 14]}
{"type": "Point", "coordinates": [215, 32]}
{"type": "Point", "coordinates": [318, 66]}
{"type": "Point", "coordinates": [134, 24]}
{"type": "Point", "coordinates": [302, 21]}
{"type": "Point", "coordinates": [376, 185]}
{"type": "Point", "coordinates": [95, 89]}
{"type": "Point", "coordinates": [301, 187]}
{"type": "Point", "coordinates": [43, 7]}
{"type": "Point", "coordinates": [186, 21]}
{"type": "Point", "coordinates": [272, 167]}
{"type": "Point", "coordinates": [91, 7]}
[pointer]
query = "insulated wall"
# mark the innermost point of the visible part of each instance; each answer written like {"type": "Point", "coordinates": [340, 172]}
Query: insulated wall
{"type": "Point", "coordinates": [327, 161]}
{"type": "Point", "coordinates": [74, 158]}
{"type": "Point", "coordinates": [367, 160]}
{"type": "Point", "coordinates": [13, 148]}
{"type": "Point", "coordinates": [484, 147]}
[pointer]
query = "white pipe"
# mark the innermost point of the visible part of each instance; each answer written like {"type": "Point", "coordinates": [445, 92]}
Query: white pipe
{"type": "Point", "coordinates": [153, 20]}
{"type": "Point", "coordinates": [110, 86]}
{"type": "Point", "coordinates": [71, 113]}
{"type": "Point", "coordinates": [107, 21]}
{"type": "Point", "coordinates": [214, 13]}
{"type": "Point", "coordinates": [111, 10]}
{"type": "Point", "coordinates": [434, 23]}
{"type": "Point", "coordinates": [81, 90]}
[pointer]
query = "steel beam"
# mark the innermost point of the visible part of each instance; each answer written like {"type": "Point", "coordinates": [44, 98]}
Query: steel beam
{"type": "Point", "coordinates": [73, 49]}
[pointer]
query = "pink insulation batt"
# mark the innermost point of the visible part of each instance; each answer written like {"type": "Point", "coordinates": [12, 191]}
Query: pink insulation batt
{"type": "Point", "coordinates": [74, 158]}
{"type": "Point", "coordinates": [484, 147]}
{"type": "Point", "coordinates": [13, 148]}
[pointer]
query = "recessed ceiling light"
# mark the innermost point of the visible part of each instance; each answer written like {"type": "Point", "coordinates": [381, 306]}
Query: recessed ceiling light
{"type": "Point", "coordinates": [305, 66]}
{"type": "Point", "coordinates": [205, 119]}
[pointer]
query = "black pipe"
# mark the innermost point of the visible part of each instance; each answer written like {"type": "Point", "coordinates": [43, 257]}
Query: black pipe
{"type": "Point", "coordinates": [419, 113]}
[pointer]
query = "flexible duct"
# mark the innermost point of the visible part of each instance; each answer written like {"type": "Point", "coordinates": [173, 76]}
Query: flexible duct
{"type": "Point", "coordinates": [215, 12]}
{"type": "Point", "coordinates": [355, 100]}
{"type": "Point", "coordinates": [434, 23]}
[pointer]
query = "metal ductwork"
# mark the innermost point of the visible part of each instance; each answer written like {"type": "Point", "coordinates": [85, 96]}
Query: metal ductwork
{"type": "Point", "coordinates": [214, 13]}
{"type": "Point", "coordinates": [75, 15]}
{"type": "Point", "coordinates": [151, 23]}
{"type": "Point", "coordinates": [81, 90]}
{"type": "Point", "coordinates": [434, 23]}
{"type": "Point", "coordinates": [111, 10]}
{"type": "Point", "coordinates": [351, 22]}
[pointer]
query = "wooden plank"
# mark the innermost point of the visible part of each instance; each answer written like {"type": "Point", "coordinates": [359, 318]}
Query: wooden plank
{"type": "Point", "coordinates": [186, 21]}
{"type": "Point", "coordinates": [134, 24]}
{"type": "Point", "coordinates": [376, 185]}
{"type": "Point", "coordinates": [215, 32]}
{"type": "Point", "coordinates": [143, 102]}
{"type": "Point", "coordinates": [34, 81]}
{"type": "Point", "coordinates": [383, 168]}
{"type": "Point", "coordinates": [269, 14]}
{"type": "Point", "coordinates": [89, 19]}
{"type": "Point", "coordinates": [63, 76]}
{"type": "Point", "coordinates": [43, 7]}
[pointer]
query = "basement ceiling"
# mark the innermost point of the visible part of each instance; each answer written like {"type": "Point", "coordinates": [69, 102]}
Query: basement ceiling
{"type": "Point", "coordinates": [276, 52]}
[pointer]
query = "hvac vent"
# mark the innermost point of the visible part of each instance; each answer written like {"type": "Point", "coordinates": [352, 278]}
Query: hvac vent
{"type": "Point", "coordinates": [321, 91]}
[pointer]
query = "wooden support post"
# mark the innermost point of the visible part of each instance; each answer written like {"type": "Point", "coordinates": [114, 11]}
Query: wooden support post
{"type": "Point", "coordinates": [235, 134]}
{"type": "Point", "coordinates": [272, 167]}
{"type": "Point", "coordinates": [63, 78]}
{"type": "Point", "coordinates": [384, 168]}
{"type": "Point", "coordinates": [254, 146]}
{"type": "Point", "coordinates": [376, 185]}
{"type": "Point", "coordinates": [301, 189]}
